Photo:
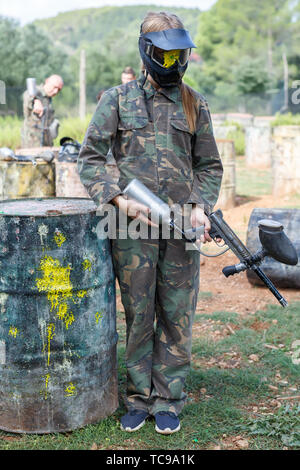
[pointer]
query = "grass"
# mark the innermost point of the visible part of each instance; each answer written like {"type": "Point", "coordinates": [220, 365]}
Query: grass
{"type": "Point", "coordinates": [252, 182]}
{"type": "Point", "coordinates": [238, 136]}
{"type": "Point", "coordinates": [287, 119]}
{"type": "Point", "coordinates": [10, 130]}
{"type": "Point", "coordinates": [283, 425]}
{"type": "Point", "coordinates": [219, 399]}
{"type": "Point", "coordinates": [73, 127]}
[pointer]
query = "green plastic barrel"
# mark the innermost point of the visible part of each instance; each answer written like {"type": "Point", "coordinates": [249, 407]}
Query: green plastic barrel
{"type": "Point", "coordinates": [58, 368]}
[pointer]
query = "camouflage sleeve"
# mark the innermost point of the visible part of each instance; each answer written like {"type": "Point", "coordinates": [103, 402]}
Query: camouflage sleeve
{"type": "Point", "coordinates": [207, 165]}
{"type": "Point", "coordinates": [92, 158]}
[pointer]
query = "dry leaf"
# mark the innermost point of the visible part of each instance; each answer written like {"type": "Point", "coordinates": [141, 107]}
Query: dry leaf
{"type": "Point", "coordinates": [254, 357]}
{"type": "Point", "coordinates": [272, 387]}
{"type": "Point", "coordinates": [242, 443]}
{"type": "Point", "coordinates": [94, 446]}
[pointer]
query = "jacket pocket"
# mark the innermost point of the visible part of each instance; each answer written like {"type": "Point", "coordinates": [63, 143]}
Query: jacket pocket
{"type": "Point", "coordinates": [181, 138]}
{"type": "Point", "coordinates": [180, 125]}
{"type": "Point", "coordinates": [132, 122]}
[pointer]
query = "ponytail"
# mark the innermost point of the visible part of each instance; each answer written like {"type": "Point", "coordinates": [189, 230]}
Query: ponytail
{"type": "Point", "coordinates": [189, 106]}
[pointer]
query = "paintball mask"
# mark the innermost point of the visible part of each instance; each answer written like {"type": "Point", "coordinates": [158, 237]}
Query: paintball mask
{"type": "Point", "coordinates": [165, 55]}
{"type": "Point", "coordinates": [69, 150]}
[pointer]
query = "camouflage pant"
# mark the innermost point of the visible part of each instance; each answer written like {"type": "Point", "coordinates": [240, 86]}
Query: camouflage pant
{"type": "Point", "coordinates": [157, 277]}
{"type": "Point", "coordinates": [32, 136]}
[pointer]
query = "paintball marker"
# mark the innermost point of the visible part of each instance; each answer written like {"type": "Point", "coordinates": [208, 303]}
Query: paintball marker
{"type": "Point", "coordinates": [274, 241]}
{"type": "Point", "coordinates": [32, 91]}
{"type": "Point", "coordinates": [8, 154]}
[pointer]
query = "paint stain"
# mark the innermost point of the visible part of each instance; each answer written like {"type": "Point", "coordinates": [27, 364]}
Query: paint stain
{"type": "Point", "coordinates": [81, 293]}
{"type": "Point", "coordinates": [98, 317]}
{"type": "Point", "coordinates": [47, 378]}
{"type": "Point", "coordinates": [59, 238]}
{"type": "Point", "coordinates": [70, 390]}
{"type": "Point", "coordinates": [13, 331]}
{"type": "Point", "coordinates": [56, 282]}
{"type": "Point", "coordinates": [50, 335]}
{"type": "Point", "coordinates": [3, 300]}
{"type": "Point", "coordinates": [43, 232]}
{"type": "Point", "coordinates": [87, 265]}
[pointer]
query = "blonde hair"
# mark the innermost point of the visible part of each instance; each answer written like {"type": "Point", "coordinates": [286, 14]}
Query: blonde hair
{"type": "Point", "coordinates": [159, 21]}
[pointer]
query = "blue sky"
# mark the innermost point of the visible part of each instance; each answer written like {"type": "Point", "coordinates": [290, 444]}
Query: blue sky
{"type": "Point", "coordinates": [29, 10]}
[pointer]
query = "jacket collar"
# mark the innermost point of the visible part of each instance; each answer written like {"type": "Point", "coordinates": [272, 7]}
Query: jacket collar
{"type": "Point", "coordinates": [172, 93]}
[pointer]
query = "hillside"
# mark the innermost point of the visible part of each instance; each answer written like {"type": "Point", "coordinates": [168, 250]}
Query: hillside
{"type": "Point", "coordinates": [92, 25]}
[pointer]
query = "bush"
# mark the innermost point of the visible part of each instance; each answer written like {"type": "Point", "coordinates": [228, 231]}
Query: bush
{"type": "Point", "coordinates": [288, 119]}
{"type": "Point", "coordinates": [238, 136]}
{"type": "Point", "coordinates": [10, 132]}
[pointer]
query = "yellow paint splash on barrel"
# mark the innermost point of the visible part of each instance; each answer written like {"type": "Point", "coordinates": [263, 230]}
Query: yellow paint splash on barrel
{"type": "Point", "coordinates": [56, 282]}
{"type": "Point", "coordinates": [70, 390]}
{"type": "Point", "coordinates": [13, 331]}
{"type": "Point", "coordinates": [47, 378]}
{"type": "Point", "coordinates": [87, 264]}
{"type": "Point", "coordinates": [81, 293]}
{"type": "Point", "coordinates": [59, 238]}
{"type": "Point", "coordinates": [98, 317]}
{"type": "Point", "coordinates": [51, 333]}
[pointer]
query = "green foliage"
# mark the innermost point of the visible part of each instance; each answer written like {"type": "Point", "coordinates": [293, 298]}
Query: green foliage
{"type": "Point", "coordinates": [238, 136]}
{"type": "Point", "coordinates": [73, 127]}
{"type": "Point", "coordinates": [288, 119]}
{"type": "Point", "coordinates": [250, 76]}
{"type": "Point", "coordinates": [10, 132]}
{"type": "Point", "coordinates": [94, 25]}
{"type": "Point", "coordinates": [27, 52]}
{"type": "Point", "coordinates": [241, 48]}
{"type": "Point", "coordinates": [284, 425]}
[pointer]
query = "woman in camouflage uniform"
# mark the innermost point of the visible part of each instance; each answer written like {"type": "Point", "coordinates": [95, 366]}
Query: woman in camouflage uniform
{"type": "Point", "coordinates": [160, 132]}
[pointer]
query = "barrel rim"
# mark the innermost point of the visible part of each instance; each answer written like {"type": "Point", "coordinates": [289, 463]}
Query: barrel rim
{"type": "Point", "coordinates": [89, 211]}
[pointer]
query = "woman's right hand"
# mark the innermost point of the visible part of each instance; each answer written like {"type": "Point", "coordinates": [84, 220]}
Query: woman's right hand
{"type": "Point", "coordinates": [133, 209]}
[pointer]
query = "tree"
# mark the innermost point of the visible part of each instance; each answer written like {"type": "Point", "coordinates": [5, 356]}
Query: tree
{"type": "Point", "coordinates": [252, 29]}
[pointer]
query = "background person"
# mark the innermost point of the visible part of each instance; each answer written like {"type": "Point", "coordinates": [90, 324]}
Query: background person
{"type": "Point", "coordinates": [39, 113]}
{"type": "Point", "coordinates": [128, 75]}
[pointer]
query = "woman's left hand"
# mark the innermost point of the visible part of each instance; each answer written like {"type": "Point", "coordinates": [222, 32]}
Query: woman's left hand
{"type": "Point", "coordinates": [199, 218]}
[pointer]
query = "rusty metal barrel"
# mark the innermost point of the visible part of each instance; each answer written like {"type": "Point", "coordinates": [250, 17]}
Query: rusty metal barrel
{"type": "Point", "coordinates": [280, 274]}
{"type": "Point", "coordinates": [58, 335]}
{"type": "Point", "coordinates": [226, 198]}
{"type": "Point", "coordinates": [285, 160]}
{"type": "Point", "coordinates": [258, 142]}
{"type": "Point", "coordinates": [23, 180]}
{"type": "Point", "coordinates": [67, 181]}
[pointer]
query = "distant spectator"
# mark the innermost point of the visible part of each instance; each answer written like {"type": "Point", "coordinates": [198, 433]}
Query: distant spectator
{"type": "Point", "coordinates": [128, 75]}
{"type": "Point", "coordinates": [39, 114]}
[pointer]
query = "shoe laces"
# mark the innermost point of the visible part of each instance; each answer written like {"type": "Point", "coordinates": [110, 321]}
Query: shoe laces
{"type": "Point", "coordinates": [135, 412]}
{"type": "Point", "coordinates": [169, 413]}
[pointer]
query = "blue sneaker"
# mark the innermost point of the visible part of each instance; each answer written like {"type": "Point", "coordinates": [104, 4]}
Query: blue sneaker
{"type": "Point", "coordinates": [166, 422]}
{"type": "Point", "coordinates": [133, 420]}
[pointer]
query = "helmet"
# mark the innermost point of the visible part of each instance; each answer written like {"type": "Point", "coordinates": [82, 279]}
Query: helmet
{"type": "Point", "coordinates": [69, 150]}
{"type": "Point", "coordinates": [165, 54]}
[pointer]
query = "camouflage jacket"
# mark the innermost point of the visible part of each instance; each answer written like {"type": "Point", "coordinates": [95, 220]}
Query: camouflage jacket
{"type": "Point", "coordinates": [33, 124]}
{"type": "Point", "coordinates": [150, 139]}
